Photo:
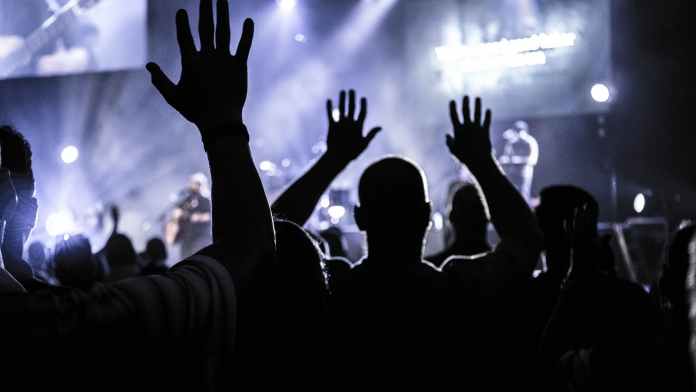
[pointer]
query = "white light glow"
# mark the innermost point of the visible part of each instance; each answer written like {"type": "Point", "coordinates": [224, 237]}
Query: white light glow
{"type": "Point", "coordinates": [336, 213]}
{"type": "Point", "coordinates": [267, 166]}
{"type": "Point", "coordinates": [287, 5]}
{"type": "Point", "coordinates": [438, 221]}
{"type": "Point", "coordinates": [300, 38]}
{"type": "Point", "coordinates": [70, 154]}
{"type": "Point", "coordinates": [639, 203]}
{"type": "Point", "coordinates": [60, 223]}
{"type": "Point", "coordinates": [325, 202]}
{"type": "Point", "coordinates": [336, 114]}
{"type": "Point", "coordinates": [505, 53]}
{"type": "Point", "coordinates": [600, 93]}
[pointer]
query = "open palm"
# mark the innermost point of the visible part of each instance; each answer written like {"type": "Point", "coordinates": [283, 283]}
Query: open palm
{"type": "Point", "coordinates": [212, 89]}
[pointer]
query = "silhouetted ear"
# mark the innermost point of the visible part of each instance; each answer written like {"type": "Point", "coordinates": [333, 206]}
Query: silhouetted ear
{"type": "Point", "coordinates": [360, 215]}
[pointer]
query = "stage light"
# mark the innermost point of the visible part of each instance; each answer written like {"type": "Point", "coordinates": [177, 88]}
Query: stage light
{"type": "Point", "coordinates": [600, 93]}
{"type": "Point", "coordinates": [336, 114]}
{"type": "Point", "coordinates": [287, 5]}
{"type": "Point", "coordinates": [60, 223]}
{"type": "Point", "coordinates": [639, 203]}
{"type": "Point", "coordinates": [70, 154]}
{"type": "Point", "coordinates": [267, 166]}
{"type": "Point", "coordinates": [336, 213]}
{"type": "Point", "coordinates": [300, 38]}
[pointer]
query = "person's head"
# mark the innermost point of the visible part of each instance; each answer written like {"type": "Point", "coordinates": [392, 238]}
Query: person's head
{"type": "Point", "coordinates": [468, 212]}
{"type": "Point", "coordinates": [521, 126]}
{"type": "Point", "coordinates": [394, 205]}
{"type": "Point", "coordinates": [198, 183]}
{"type": "Point", "coordinates": [298, 282]}
{"type": "Point", "coordinates": [156, 251]}
{"type": "Point", "coordinates": [120, 252]}
{"type": "Point", "coordinates": [675, 270]}
{"type": "Point", "coordinates": [560, 208]}
{"type": "Point", "coordinates": [74, 263]}
{"type": "Point", "coordinates": [36, 255]}
{"type": "Point", "coordinates": [15, 156]}
{"type": "Point", "coordinates": [16, 151]}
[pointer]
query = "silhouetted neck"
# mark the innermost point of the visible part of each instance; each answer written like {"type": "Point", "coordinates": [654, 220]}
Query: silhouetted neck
{"type": "Point", "coordinates": [394, 253]}
{"type": "Point", "coordinates": [470, 246]}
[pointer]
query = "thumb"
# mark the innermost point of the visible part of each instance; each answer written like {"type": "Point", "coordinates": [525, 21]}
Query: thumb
{"type": "Point", "coordinates": [372, 134]}
{"type": "Point", "coordinates": [162, 83]}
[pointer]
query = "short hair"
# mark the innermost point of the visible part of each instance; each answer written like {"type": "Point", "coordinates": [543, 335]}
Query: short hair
{"type": "Point", "coordinates": [467, 196]}
{"type": "Point", "coordinates": [156, 249]}
{"type": "Point", "coordinates": [15, 150]}
{"type": "Point", "coordinates": [74, 264]}
{"type": "Point", "coordinates": [564, 199]}
{"type": "Point", "coordinates": [392, 182]}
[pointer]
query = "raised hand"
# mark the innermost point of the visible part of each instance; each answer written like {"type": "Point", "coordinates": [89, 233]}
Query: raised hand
{"type": "Point", "coordinates": [345, 140]}
{"type": "Point", "coordinates": [212, 89]}
{"type": "Point", "coordinates": [471, 143]}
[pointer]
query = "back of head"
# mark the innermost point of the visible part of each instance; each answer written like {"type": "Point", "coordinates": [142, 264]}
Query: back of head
{"type": "Point", "coordinates": [74, 264]}
{"type": "Point", "coordinates": [560, 205]}
{"type": "Point", "coordinates": [15, 149]}
{"type": "Point", "coordinates": [299, 264]}
{"type": "Point", "coordinates": [156, 251]}
{"type": "Point", "coordinates": [468, 211]}
{"type": "Point", "coordinates": [393, 200]}
{"type": "Point", "coordinates": [120, 251]}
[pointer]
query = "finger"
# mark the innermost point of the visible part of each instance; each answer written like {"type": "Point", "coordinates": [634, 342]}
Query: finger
{"type": "Point", "coordinates": [372, 134]}
{"type": "Point", "coordinates": [206, 27]}
{"type": "Point", "coordinates": [222, 38]}
{"type": "Point", "coordinates": [184, 36]}
{"type": "Point", "coordinates": [466, 111]}
{"type": "Point", "coordinates": [454, 116]}
{"type": "Point", "coordinates": [363, 111]}
{"type": "Point", "coordinates": [342, 104]}
{"type": "Point", "coordinates": [351, 104]}
{"type": "Point", "coordinates": [477, 111]}
{"type": "Point", "coordinates": [329, 111]}
{"type": "Point", "coordinates": [244, 46]}
{"type": "Point", "coordinates": [487, 120]}
{"type": "Point", "coordinates": [162, 83]}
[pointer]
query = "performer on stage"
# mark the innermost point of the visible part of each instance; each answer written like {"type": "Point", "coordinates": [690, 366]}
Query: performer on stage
{"type": "Point", "coordinates": [520, 156]}
{"type": "Point", "coordinates": [190, 224]}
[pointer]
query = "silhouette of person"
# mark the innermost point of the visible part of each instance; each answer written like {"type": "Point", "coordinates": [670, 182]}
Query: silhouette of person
{"type": "Point", "coordinates": [678, 363]}
{"type": "Point", "coordinates": [468, 216]}
{"type": "Point", "coordinates": [603, 331]}
{"type": "Point", "coordinates": [175, 331]}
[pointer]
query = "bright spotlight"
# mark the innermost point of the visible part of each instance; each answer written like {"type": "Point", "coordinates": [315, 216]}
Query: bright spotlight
{"type": "Point", "coordinates": [60, 223]}
{"type": "Point", "coordinates": [336, 213]}
{"type": "Point", "coordinates": [267, 166]}
{"type": "Point", "coordinates": [287, 5]}
{"type": "Point", "coordinates": [336, 114]}
{"type": "Point", "coordinates": [639, 203]}
{"type": "Point", "coordinates": [300, 38]}
{"type": "Point", "coordinates": [600, 93]}
{"type": "Point", "coordinates": [70, 154]}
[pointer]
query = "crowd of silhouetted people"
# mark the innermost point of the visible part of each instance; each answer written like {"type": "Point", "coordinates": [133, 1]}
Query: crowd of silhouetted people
{"type": "Point", "coordinates": [271, 305]}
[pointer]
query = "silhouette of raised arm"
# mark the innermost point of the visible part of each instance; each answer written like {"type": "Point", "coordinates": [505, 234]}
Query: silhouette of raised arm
{"type": "Point", "coordinates": [517, 254]}
{"type": "Point", "coordinates": [345, 143]}
{"type": "Point", "coordinates": [211, 94]}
